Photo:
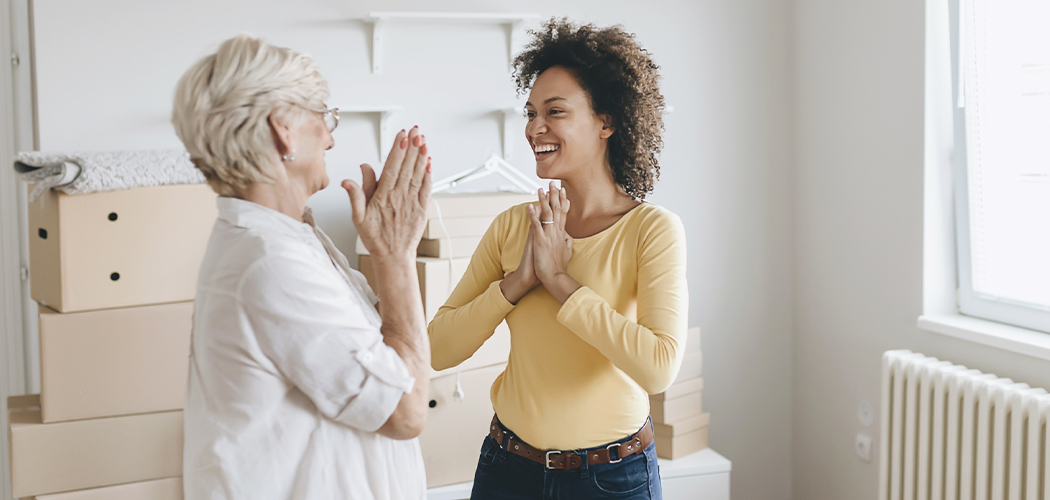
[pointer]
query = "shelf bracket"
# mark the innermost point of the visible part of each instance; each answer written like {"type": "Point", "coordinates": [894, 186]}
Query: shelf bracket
{"type": "Point", "coordinates": [384, 138]}
{"type": "Point", "coordinates": [508, 131]}
{"type": "Point", "coordinates": [378, 23]}
{"type": "Point", "coordinates": [517, 32]}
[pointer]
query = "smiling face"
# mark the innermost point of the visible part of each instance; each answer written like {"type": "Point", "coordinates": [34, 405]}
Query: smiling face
{"type": "Point", "coordinates": [566, 136]}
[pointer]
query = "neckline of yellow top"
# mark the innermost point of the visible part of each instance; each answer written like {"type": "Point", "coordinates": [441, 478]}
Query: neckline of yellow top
{"type": "Point", "coordinates": [610, 229]}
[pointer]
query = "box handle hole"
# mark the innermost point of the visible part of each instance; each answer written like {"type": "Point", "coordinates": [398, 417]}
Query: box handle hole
{"type": "Point", "coordinates": [112, 216]}
{"type": "Point", "coordinates": [114, 276]}
{"type": "Point", "coordinates": [42, 233]}
{"type": "Point", "coordinates": [433, 403]}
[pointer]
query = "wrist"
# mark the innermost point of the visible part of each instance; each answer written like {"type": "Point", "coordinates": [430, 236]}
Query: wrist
{"type": "Point", "coordinates": [514, 287]}
{"type": "Point", "coordinates": [548, 277]}
{"type": "Point", "coordinates": [561, 286]}
{"type": "Point", "coordinates": [398, 259]}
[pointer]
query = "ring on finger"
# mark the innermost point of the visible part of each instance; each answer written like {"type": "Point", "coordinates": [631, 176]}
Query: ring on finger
{"type": "Point", "coordinates": [546, 222]}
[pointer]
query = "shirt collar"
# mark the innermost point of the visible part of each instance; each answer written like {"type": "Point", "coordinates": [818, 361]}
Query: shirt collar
{"type": "Point", "coordinates": [250, 215]}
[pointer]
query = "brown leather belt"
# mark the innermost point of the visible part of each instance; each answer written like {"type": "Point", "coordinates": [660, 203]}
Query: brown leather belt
{"type": "Point", "coordinates": [569, 460]}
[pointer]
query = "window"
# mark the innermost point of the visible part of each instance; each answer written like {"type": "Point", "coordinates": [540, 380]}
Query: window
{"type": "Point", "coordinates": [1001, 159]}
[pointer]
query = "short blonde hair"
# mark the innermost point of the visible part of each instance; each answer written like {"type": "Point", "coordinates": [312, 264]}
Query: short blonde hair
{"type": "Point", "coordinates": [223, 102]}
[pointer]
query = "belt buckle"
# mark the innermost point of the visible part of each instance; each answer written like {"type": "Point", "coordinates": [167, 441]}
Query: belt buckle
{"type": "Point", "coordinates": [548, 464]}
{"type": "Point", "coordinates": [618, 457]}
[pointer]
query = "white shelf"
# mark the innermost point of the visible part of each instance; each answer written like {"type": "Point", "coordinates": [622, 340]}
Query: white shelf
{"type": "Point", "coordinates": [515, 22]}
{"type": "Point", "coordinates": [489, 17]}
{"type": "Point", "coordinates": [509, 114]}
{"type": "Point", "coordinates": [383, 138]}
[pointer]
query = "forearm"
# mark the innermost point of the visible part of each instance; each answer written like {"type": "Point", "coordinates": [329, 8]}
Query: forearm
{"type": "Point", "coordinates": [404, 330]}
{"type": "Point", "coordinates": [404, 324]}
{"type": "Point", "coordinates": [649, 353]}
{"type": "Point", "coordinates": [458, 332]}
{"type": "Point", "coordinates": [514, 287]}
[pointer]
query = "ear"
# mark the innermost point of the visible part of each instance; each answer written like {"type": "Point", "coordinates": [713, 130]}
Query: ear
{"type": "Point", "coordinates": [607, 127]}
{"type": "Point", "coordinates": [282, 133]}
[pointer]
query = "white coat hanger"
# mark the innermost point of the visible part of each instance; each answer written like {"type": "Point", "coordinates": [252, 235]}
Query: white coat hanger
{"type": "Point", "coordinates": [493, 165]}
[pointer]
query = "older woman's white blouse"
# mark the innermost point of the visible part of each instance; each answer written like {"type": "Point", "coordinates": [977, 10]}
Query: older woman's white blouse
{"type": "Point", "coordinates": [289, 376]}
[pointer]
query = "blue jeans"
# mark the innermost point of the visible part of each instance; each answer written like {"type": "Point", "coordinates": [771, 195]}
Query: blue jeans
{"type": "Point", "coordinates": [505, 476]}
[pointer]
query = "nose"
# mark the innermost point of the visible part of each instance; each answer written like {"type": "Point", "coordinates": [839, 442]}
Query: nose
{"type": "Point", "coordinates": [535, 128]}
{"type": "Point", "coordinates": [331, 141]}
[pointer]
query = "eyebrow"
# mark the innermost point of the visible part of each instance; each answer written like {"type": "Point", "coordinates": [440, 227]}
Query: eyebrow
{"type": "Point", "coordinates": [548, 101]}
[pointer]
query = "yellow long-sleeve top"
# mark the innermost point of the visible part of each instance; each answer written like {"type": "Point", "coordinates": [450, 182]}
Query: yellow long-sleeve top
{"type": "Point", "coordinates": [579, 374]}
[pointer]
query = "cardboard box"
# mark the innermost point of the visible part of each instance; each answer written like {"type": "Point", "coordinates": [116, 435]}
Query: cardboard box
{"type": "Point", "coordinates": [671, 410]}
{"type": "Point", "coordinates": [457, 227]}
{"type": "Point", "coordinates": [684, 426]}
{"type": "Point", "coordinates": [449, 248]}
{"type": "Point", "coordinates": [680, 388]}
{"type": "Point", "coordinates": [119, 248]}
{"type": "Point", "coordinates": [161, 489]}
{"type": "Point", "coordinates": [461, 247]}
{"type": "Point", "coordinates": [114, 361]}
{"type": "Point", "coordinates": [456, 429]}
{"type": "Point", "coordinates": [67, 456]}
{"type": "Point", "coordinates": [435, 279]}
{"type": "Point", "coordinates": [678, 446]}
{"type": "Point", "coordinates": [691, 367]}
{"type": "Point", "coordinates": [692, 341]}
{"type": "Point", "coordinates": [455, 205]}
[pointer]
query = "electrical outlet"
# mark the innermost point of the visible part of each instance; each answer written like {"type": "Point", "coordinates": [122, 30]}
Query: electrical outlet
{"type": "Point", "coordinates": [863, 446]}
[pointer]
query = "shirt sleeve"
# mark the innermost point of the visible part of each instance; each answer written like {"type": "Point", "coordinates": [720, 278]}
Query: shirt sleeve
{"type": "Point", "coordinates": [477, 305]}
{"type": "Point", "coordinates": [650, 351]}
{"type": "Point", "coordinates": [312, 326]}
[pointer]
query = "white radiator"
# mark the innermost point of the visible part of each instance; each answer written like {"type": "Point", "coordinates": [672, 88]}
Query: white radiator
{"type": "Point", "coordinates": [952, 433]}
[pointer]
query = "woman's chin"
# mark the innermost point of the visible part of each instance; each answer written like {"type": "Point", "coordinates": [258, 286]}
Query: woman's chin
{"type": "Point", "coordinates": [544, 171]}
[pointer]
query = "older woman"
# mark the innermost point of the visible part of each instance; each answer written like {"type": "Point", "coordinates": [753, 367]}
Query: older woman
{"type": "Point", "coordinates": [594, 290]}
{"type": "Point", "coordinates": [300, 385]}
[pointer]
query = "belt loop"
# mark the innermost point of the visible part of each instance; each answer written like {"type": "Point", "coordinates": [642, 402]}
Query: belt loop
{"type": "Point", "coordinates": [506, 442]}
{"type": "Point", "coordinates": [585, 471]}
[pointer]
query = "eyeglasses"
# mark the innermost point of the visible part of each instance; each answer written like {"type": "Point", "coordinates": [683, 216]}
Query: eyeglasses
{"type": "Point", "coordinates": [331, 117]}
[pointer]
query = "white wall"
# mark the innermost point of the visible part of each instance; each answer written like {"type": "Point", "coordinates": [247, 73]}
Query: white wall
{"type": "Point", "coordinates": [859, 212]}
{"type": "Point", "coordinates": [106, 71]}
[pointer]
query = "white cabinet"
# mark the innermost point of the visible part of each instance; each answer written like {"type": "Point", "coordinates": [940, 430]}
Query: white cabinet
{"type": "Point", "coordinates": [703, 475]}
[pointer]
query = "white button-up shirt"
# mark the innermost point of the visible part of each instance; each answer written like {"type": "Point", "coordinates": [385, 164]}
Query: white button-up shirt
{"type": "Point", "coordinates": [289, 376]}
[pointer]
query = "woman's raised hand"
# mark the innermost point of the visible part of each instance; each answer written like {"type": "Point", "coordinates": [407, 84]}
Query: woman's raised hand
{"type": "Point", "coordinates": [551, 245]}
{"type": "Point", "coordinates": [390, 214]}
{"type": "Point", "coordinates": [520, 281]}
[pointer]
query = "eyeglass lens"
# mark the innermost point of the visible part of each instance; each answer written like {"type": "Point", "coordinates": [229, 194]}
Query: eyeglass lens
{"type": "Point", "coordinates": [331, 119]}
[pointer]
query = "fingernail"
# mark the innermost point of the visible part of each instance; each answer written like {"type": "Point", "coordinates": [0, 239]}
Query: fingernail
{"type": "Point", "coordinates": [404, 143]}
{"type": "Point", "coordinates": [415, 126]}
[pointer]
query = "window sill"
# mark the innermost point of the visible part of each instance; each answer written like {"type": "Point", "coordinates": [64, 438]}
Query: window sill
{"type": "Point", "coordinates": [1006, 337]}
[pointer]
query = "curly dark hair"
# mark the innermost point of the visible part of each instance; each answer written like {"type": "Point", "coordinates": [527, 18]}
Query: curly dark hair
{"type": "Point", "coordinates": [622, 82]}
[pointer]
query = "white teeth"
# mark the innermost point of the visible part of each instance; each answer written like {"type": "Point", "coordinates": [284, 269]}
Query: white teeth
{"type": "Point", "coordinates": [546, 148]}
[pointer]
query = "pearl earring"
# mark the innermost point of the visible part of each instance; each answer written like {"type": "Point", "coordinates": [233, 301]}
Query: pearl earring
{"type": "Point", "coordinates": [289, 157]}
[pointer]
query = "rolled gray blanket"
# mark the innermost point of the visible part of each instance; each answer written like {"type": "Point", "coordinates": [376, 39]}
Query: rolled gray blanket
{"type": "Point", "coordinates": [89, 172]}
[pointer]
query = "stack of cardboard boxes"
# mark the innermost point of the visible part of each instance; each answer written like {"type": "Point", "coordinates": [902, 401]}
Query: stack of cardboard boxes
{"type": "Point", "coordinates": [678, 415]}
{"type": "Point", "coordinates": [115, 274]}
{"type": "Point", "coordinates": [456, 427]}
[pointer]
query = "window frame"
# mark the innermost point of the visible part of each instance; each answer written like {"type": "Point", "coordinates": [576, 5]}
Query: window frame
{"type": "Point", "coordinates": [971, 303]}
